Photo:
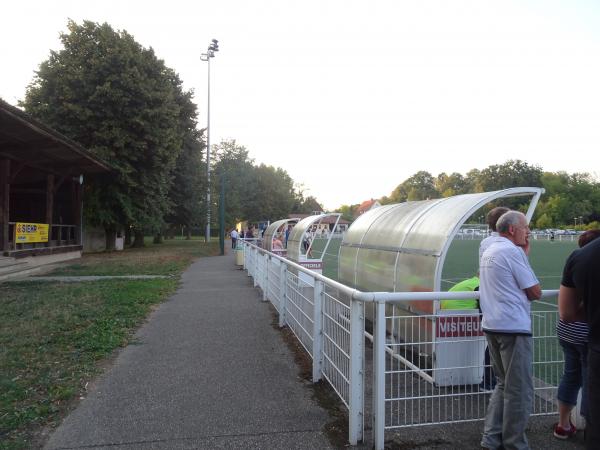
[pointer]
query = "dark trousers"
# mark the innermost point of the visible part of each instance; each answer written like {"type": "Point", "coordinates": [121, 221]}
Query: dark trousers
{"type": "Point", "coordinates": [233, 242]}
{"type": "Point", "coordinates": [592, 429]}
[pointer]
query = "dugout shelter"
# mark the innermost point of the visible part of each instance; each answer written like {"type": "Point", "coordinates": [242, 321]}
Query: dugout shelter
{"type": "Point", "coordinates": [402, 248]}
{"type": "Point", "coordinates": [301, 240]}
{"type": "Point", "coordinates": [277, 230]}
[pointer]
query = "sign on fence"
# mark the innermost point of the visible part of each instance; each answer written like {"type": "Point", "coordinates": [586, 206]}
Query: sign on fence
{"type": "Point", "coordinates": [312, 265]}
{"type": "Point", "coordinates": [31, 232]}
{"type": "Point", "coordinates": [458, 326]}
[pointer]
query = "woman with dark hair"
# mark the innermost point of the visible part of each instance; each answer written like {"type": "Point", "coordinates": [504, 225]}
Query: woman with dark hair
{"type": "Point", "coordinates": [573, 337]}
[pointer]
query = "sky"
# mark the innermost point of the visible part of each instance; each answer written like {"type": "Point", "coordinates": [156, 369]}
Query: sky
{"type": "Point", "coordinates": [353, 97]}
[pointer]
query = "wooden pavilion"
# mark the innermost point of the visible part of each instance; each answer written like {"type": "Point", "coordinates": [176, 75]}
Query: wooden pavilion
{"type": "Point", "coordinates": [41, 186]}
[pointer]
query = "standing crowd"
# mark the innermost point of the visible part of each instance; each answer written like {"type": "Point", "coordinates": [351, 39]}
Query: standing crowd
{"type": "Point", "coordinates": [508, 285]}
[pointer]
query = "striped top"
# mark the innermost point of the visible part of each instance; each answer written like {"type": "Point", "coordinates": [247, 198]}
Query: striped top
{"type": "Point", "coordinates": [572, 332]}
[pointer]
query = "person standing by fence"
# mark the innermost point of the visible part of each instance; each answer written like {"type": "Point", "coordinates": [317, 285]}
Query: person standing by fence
{"type": "Point", "coordinates": [234, 237]}
{"type": "Point", "coordinates": [488, 383]}
{"type": "Point", "coordinates": [573, 337]}
{"type": "Point", "coordinates": [491, 219]}
{"type": "Point", "coordinates": [580, 290]}
{"type": "Point", "coordinates": [508, 284]}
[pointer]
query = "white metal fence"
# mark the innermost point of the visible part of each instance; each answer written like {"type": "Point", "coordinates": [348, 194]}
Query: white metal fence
{"type": "Point", "coordinates": [571, 237]}
{"type": "Point", "coordinates": [426, 368]}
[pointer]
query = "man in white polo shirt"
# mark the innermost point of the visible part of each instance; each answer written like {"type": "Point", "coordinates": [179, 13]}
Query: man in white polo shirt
{"type": "Point", "coordinates": [507, 287]}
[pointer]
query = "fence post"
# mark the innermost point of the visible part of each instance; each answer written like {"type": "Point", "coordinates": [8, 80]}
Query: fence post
{"type": "Point", "coordinates": [245, 266]}
{"type": "Point", "coordinates": [265, 287]}
{"type": "Point", "coordinates": [317, 331]}
{"type": "Point", "coordinates": [250, 256]}
{"type": "Point", "coordinates": [379, 376]}
{"type": "Point", "coordinates": [356, 375]}
{"type": "Point", "coordinates": [255, 271]}
{"type": "Point", "coordinates": [282, 294]}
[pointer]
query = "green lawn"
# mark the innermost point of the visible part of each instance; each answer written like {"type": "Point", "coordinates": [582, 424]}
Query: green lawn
{"type": "Point", "coordinates": [54, 335]}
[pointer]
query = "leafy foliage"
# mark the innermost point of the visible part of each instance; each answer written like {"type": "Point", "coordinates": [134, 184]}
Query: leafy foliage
{"type": "Point", "coordinates": [568, 196]}
{"type": "Point", "coordinates": [117, 99]}
{"type": "Point", "coordinates": [253, 192]}
{"type": "Point", "coordinates": [189, 184]}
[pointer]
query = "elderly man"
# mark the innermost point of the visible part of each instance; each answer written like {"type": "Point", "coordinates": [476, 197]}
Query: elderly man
{"type": "Point", "coordinates": [580, 289]}
{"type": "Point", "coordinates": [508, 285]}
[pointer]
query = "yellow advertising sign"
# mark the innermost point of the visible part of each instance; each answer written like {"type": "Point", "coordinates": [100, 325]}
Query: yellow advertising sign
{"type": "Point", "coordinates": [31, 232]}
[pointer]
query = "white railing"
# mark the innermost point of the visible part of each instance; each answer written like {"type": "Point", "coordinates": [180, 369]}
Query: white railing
{"type": "Point", "coordinates": [535, 236]}
{"type": "Point", "coordinates": [426, 368]}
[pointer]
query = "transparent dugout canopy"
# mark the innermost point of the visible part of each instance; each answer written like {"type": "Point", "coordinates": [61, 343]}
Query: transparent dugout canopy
{"type": "Point", "coordinates": [402, 247]}
{"type": "Point", "coordinates": [276, 229]}
{"type": "Point", "coordinates": [295, 248]}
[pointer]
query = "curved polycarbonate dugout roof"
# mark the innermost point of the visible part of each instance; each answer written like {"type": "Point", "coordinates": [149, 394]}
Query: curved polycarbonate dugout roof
{"type": "Point", "coordinates": [402, 247]}
{"type": "Point", "coordinates": [273, 229]}
{"type": "Point", "coordinates": [297, 235]}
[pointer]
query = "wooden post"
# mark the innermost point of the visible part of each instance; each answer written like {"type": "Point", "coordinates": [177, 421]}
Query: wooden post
{"type": "Point", "coordinates": [76, 208]}
{"type": "Point", "coordinates": [49, 205]}
{"type": "Point", "coordinates": [4, 203]}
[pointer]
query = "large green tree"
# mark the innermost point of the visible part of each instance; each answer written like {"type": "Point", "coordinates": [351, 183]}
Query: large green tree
{"type": "Point", "coordinates": [189, 185]}
{"type": "Point", "coordinates": [509, 174]}
{"type": "Point", "coordinates": [254, 192]}
{"type": "Point", "coordinates": [449, 185]}
{"type": "Point", "coordinates": [116, 98]}
{"type": "Point", "coordinates": [234, 166]}
{"type": "Point", "coordinates": [420, 186]}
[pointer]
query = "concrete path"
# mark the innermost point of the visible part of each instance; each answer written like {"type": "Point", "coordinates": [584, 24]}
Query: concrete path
{"type": "Point", "coordinates": [210, 371]}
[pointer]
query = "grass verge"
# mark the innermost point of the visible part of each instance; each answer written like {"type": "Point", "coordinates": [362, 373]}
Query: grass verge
{"type": "Point", "coordinates": [169, 258]}
{"type": "Point", "coordinates": [54, 335]}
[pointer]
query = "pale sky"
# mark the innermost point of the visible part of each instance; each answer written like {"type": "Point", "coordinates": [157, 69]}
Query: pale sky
{"type": "Point", "coordinates": [353, 97]}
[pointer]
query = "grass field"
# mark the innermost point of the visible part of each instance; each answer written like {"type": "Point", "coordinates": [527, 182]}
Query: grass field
{"type": "Point", "coordinates": [54, 336]}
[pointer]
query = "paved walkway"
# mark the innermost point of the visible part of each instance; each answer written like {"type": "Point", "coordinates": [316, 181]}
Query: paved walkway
{"type": "Point", "coordinates": [209, 372]}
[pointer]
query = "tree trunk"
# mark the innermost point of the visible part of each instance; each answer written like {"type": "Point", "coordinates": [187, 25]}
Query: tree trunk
{"type": "Point", "coordinates": [188, 233]}
{"type": "Point", "coordinates": [158, 238]}
{"type": "Point", "coordinates": [127, 242]}
{"type": "Point", "coordinates": [138, 241]}
{"type": "Point", "coordinates": [111, 234]}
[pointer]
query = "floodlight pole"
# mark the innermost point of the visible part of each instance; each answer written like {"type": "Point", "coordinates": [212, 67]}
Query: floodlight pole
{"type": "Point", "coordinates": [210, 53]}
{"type": "Point", "coordinates": [222, 212]}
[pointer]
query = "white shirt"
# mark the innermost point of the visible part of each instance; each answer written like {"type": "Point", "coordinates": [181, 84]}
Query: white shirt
{"type": "Point", "coordinates": [234, 234]}
{"type": "Point", "coordinates": [484, 244]}
{"type": "Point", "coordinates": [504, 273]}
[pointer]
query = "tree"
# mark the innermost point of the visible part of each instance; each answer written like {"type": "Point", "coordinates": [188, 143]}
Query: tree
{"type": "Point", "coordinates": [302, 204]}
{"type": "Point", "coordinates": [420, 186]}
{"type": "Point", "coordinates": [117, 99]}
{"type": "Point", "coordinates": [567, 196]}
{"type": "Point", "coordinates": [254, 192]}
{"type": "Point", "coordinates": [186, 193]}
{"type": "Point", "coordinates": [348, 211]}
{"type": "Point", "coordinates": [232, 161]}
{"type": "Point", "coordinates": [513, 173]}
{"type": "Point", "coordinates": [310, 205]}
{"type": "Point", "coordinates": [449, 185]}
{"type": "Point", "coordinates": [275, 189]}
